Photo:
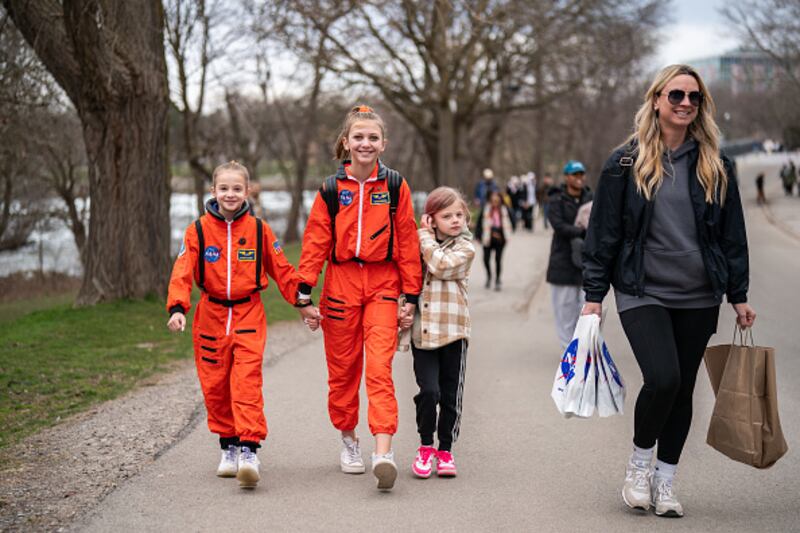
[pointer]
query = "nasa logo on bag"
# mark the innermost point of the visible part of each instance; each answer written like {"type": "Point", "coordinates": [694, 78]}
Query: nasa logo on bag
{"type": "Point", "coordinates": [612, 366]}
{"type": "Point", "coordinates": [568, 361]}
{"type": "Point", "coordinates": [345, 197]}
{"type": "Point", "coordinates": [211, 254]}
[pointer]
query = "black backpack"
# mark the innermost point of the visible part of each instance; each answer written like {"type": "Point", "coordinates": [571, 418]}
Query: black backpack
{"type": "Point", "coordinates": [330, 193]}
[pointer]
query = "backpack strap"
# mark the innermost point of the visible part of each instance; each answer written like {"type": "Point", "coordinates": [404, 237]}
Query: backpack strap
{"type": "Point", "coordinates": [330, 193]}
{"type": "Point", "coordinates": [259, 252]}
{"type": "Point", "coordinates": [201, 264]}
{"type": "Point", "coordinates": [395, 181]}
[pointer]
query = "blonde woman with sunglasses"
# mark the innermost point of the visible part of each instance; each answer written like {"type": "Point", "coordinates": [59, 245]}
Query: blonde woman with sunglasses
{"type": "Point", "coordinates": [667, 231]}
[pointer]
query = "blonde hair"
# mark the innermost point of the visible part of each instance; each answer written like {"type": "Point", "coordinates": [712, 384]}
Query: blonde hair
{"type": "Point", "coordinates": [359, 112]}
{"type": "Point", "coordinates": [648, 169]}
{"type": "Point", "coordinates": [442, 198]}
{"type": "Point", "coordinates": [233, 166]}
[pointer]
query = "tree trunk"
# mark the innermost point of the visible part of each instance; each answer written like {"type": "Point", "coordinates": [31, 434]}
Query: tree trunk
{"type": "Point", "coordinates": [445, 163]}
{"type": "Point", "coordinates": [109, 59]}
{"type": "Point", "coordinates": [128, 251]}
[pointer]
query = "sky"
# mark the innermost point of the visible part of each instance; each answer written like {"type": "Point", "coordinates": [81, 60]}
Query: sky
{"type": "Point", "coordinates": [696, 30]}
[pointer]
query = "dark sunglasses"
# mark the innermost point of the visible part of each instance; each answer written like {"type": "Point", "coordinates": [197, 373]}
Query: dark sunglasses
{"type": "Point", "coordinates": [676, 96]}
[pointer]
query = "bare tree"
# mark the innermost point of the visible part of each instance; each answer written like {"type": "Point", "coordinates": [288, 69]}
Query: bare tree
{"type": "Point", "coordinates": [448, 66]}
{"type": "Point", "coordinates": [109, 59]}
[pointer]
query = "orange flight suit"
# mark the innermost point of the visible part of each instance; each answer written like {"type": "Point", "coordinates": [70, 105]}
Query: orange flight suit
{"type": "Point", "coordinates": [229, 329]}
{"type": "Point", "coordinates": [359, 295]}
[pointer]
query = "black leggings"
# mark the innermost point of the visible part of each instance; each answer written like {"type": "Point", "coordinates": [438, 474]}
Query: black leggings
{"type": "Point", "coordinates": [497, 245]}
{"type": "Point", "coordinates": [669, 346]}
{"type": "Point", "coordinates": [440, 376]}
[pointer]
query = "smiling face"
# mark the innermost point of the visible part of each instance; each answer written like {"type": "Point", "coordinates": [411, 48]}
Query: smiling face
{"type": "Point", "coordinates": [449, 222]}
{"type": "Point", "coordinates": [681, 115]}
{"type": "Point", "coordinates": [230, 189]}
{"type": "Point", "coordinates": [365, 142]}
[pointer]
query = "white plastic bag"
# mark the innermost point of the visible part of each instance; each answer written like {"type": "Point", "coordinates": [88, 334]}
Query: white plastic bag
{"type": "Point", "coordinates": [612, 382]}
{"type": "Point", "coordinates": [574, 369]}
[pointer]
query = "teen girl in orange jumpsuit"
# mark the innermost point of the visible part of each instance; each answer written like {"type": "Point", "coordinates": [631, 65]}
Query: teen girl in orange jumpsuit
{"type": "Point", "coordinates": [373, 258]}
{"type": "Point", "coordinates": [229, 253]}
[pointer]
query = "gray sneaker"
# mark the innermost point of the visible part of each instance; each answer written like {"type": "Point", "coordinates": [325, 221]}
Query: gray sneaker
{"type": "Point", "coordinates": [350, 458]}
{"type": "Point", "coordinates": [385, 470]}
{"type": "Point", "coordinates": [636, 490]}
{"type": "Point", "coordinates": [664, 499]}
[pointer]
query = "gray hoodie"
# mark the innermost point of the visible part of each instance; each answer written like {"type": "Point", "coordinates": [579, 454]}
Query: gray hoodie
{"type": "Point", "coordinates": [675, 275]}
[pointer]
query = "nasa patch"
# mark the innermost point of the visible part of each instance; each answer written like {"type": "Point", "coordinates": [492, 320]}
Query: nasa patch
{"type": "Point", "coordinates": [345, 197]}
{"type": "Point", "coordinates": [211, 254]}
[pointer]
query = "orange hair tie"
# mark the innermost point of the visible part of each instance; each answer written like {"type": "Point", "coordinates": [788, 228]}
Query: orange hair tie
{"type": "Point", "coordinates": [364, 109]}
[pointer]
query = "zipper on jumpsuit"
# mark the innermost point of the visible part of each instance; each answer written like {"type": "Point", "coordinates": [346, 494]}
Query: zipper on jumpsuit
{"type": "Point", "coordinates": [360, 211]}
{"type": "Point", "coordinates": [230, 309]}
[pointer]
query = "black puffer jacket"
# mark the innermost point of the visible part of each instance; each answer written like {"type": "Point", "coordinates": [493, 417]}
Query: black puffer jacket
{"type": "Point", "coordinates": [562, 213]}
{"type": "Point", "coordinates": [614, 246]}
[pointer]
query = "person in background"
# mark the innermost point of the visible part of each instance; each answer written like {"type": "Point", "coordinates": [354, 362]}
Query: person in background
{"type": "Point", "coordinates": [542, 194]}
{"type": "Point", "coordinates": [760, 198]}
{"type": "Point", "coordinates": [482, 189]}
{"type": "Point", "coordinates": [528, 201]}
{"type": "Point", "coordinates": [515, 191]}
{"type": "Point", "coordinates": [667, 231]}
{"type": "Point", "coordinates": [496, 230]}
{"type": "Point", "coordinates": [563, 275]}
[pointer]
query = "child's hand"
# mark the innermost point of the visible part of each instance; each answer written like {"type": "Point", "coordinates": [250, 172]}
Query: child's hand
{"type": "Point", "coordinates": [425, 221]}
{"type": "Point", "coordinates": [177, 322]}
{"type": "Point", "coordinates": [311, 317]}
{"type": "Point", "coordinates": [406, 318]}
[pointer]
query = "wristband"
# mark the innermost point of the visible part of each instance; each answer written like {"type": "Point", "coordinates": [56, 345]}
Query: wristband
{"type": "Point", "coordinates": [303, 303]}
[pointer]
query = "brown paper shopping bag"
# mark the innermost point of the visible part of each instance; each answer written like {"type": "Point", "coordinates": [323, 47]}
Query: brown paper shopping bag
{"type": "Point", "coordinates": [744, 424]}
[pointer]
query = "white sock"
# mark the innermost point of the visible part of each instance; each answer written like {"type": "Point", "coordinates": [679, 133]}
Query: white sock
{"type": "Point", "coordinates": [665, 471]}
{"type": "Point", "coordinates": [642, 455]}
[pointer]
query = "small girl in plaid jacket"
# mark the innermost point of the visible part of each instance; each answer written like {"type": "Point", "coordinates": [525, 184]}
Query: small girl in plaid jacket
{"type": "Point", "coordinates": [441, 328]}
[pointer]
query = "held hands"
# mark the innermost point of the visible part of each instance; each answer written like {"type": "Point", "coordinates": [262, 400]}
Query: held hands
{"type": "Point", "coordinates": [406, 316]}
{"type": "Point", "coordinates": [311, 317]}
{"type": "Point", "coordinates": [177, 322]}
{"type": "Point", "coordinates": [745, 315]}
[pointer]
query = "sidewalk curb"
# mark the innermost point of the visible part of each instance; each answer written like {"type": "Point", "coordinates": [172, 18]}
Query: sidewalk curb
{"type": "Point", "coordinates": [770, 216]}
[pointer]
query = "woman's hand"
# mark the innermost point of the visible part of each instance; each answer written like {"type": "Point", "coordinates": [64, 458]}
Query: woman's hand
{"type": "Point", "coordinates": [745, 315]}
{"type": "Point", "coordinates": [592, 308]}
{"type": "Point", "coordinates": [425, 221]}
{"type": "Point", "coordinates": [177, 322]}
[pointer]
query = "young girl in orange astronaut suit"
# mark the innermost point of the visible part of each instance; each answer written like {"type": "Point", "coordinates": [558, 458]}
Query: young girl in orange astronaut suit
{"type": "Point", "coordinates": [229, 253]}
{"type": "Point", "coordinates": [362, 223]}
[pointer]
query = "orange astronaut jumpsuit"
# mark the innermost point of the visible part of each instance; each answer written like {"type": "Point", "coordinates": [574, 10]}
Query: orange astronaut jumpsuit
{"type": "Point", "coordinates": [229, 329]}
{"type": "Point", "coordinates": [360, 292]}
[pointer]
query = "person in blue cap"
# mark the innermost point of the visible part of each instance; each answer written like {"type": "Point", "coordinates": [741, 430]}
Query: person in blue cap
{"type": "Point", "coordinates": [563, 275]}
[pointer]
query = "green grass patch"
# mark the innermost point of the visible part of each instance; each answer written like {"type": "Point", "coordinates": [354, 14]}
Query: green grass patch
{"type": "Point", "coordinates": [59, 360]}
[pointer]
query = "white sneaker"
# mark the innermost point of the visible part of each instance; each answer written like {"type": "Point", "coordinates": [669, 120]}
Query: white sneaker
{"type": "Point", "coordinates": [350, 459]}
{"type": "Point", "coordinates": [636, 490]}
{"type": "Point", "coordinates": [248, 475]}
{"type": "Point", "coordinates": [664, 499]}
{"type": "Point", "coordinates": [385, 469]}
{"type": "Point", "coordinates": [229, 464]}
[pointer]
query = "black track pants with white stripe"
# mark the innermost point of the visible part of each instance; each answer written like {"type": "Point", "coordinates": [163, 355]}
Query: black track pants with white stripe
{"type": "Point", "coordinates": [440, 376]}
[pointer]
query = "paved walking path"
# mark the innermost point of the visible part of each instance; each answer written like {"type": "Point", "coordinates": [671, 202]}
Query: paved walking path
{"type": "Point", "coordinates": [522, 467]}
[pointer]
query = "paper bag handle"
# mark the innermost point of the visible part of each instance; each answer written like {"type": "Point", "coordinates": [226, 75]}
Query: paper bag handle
{"type": "Point", "coordinates": [744, 334]}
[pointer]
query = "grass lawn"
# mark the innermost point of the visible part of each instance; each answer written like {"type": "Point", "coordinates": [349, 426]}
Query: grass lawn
{"type": "Point", "coordinates": [56, 360]}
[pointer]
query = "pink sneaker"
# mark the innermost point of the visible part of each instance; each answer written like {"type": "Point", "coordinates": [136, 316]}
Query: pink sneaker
{"type": "Point", "coordinates": [445, 464]}
{"type": "Point", "coordinates": [423, 462]}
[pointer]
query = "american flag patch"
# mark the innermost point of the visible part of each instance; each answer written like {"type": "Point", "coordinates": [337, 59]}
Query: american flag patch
{"type": "Point", "coordinates": [276, 247]}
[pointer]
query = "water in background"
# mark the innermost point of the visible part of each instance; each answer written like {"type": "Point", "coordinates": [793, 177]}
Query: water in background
{"type": "Point", "coordinates": [52, 247]}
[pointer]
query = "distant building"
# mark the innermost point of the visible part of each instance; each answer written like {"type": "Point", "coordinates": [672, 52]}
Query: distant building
{"type": "Point", "coordinates": [740, 70]}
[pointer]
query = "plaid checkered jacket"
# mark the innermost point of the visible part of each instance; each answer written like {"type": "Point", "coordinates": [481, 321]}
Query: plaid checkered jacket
{"type": "Point", "coordinates": [442, 314]}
